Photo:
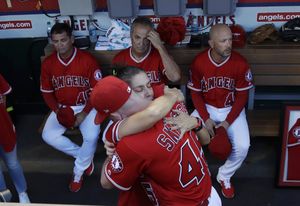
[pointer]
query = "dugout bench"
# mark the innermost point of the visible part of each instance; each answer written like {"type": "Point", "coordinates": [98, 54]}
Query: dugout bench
{"type": "Point", "coordinates": [272, 64]}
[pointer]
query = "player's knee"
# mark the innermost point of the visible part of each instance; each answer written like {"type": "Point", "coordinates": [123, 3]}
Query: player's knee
{"type": "Point", "coordinates": [243, 150]}
{"type": "Point", "coordinates": [47, 136]}
{"type": "Point", "coordinates": [12, 165]}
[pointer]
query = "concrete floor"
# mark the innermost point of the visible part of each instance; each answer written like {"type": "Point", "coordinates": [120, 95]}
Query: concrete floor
{"type": "Point", "coordinates": [48, 173]}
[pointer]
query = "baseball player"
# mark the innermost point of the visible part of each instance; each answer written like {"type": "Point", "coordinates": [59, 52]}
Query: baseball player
{"type": "Point", "coordinates": [140, 121]}
{"type": "Point", "coordinates": [67, 77]}
{"type": "Point", "coordinates": [219, 81]}
{"type": "Point", "coordinates": [148, 52]}
{"type": "Point", "coordinates": [8, 147]}
{"type": "Point", "coordinates": [185, 179]}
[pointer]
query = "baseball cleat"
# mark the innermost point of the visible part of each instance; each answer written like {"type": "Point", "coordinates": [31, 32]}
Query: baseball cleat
{"type": "Point", "coordinates": [23, 197]}
{"type": "Point", "coordinates": [227, 188]}
{"type": "Point", "coordinates": [90, 169]}
{"type": "Point", "coordinates": [75, 185]}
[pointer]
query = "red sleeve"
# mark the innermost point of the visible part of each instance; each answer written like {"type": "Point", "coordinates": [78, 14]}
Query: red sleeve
{"type": "Point", "coordinates": [194, 75]}
{"type": "Point", "coordinates": [199, 105]}
{"type": "Point", "coordinates": [95, 76]}
{"type": "Point", "coordinates": [46, 84]}
{"type": "Point", "coordinates": [111, 132]}
{"type": "Point", "coordinates": [95, 69]}
{"type": "Point", "coordinates": [241, 98]}
{"type": "Point", "coordinates": [4, 86]}
{"type": "Point", "coordinates": [244, 79]}
{"type": "Point", "coordinates": [125, 167]}
{"type": "Point", "coordinates": [50, 100]}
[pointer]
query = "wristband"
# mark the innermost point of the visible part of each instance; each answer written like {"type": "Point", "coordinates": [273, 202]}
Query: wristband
{"type": "Point", "coordinates": [199, 125]}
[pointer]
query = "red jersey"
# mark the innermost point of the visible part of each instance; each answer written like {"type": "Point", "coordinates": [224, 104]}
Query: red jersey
{"type": "Point", "coordinates": [175, 169]}
{"type": "Point", "coordinates": [219, 82]}
{"type": "Point", "coordinates": [293, 146]}
{"type": "Point", "coordinates": [152, 64]}
{"type": "Point", "coordinates": [7, 130]}
{"type": "Point", "coordinates": [71, 82]}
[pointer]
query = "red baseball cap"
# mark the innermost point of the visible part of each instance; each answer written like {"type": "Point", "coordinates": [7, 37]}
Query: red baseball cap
{"type": "Point", "coordinates": [220, 146]}
{"type": "Point", "coordinates": [109, 95]}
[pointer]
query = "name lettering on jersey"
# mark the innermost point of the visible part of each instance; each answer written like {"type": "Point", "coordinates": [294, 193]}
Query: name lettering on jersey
{"type": "Point", "coordinates": [153, 76]}
{"type": "Point", "coordinates": [170, 138]}
{"type": "Point", "coordinates": [70, 81]}
{"type": "Point", "coordinates": [217, 82]}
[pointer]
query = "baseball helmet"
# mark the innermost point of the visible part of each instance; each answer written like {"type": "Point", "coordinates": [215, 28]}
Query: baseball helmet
{"type": "Point", "coordinates": [290, 30]}
{"type": "Point", "coordinates": [171, 29]}
{"type": "Point", "coordinates": [66, 116]}
{"type": "Point", "coordinates": [238, 35]}
{"type": "Point", "coordinates": [220, 146]}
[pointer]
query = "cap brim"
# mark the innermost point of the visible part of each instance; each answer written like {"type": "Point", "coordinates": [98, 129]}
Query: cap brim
{"type": "Point", "coordinates": [100, 118]}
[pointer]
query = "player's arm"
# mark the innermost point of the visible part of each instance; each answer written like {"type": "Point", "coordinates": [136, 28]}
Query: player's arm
{"type": "Point", "coordinates": [105, 183]}
{"type": "Point", "coordinates": [184, 122]}
{"type": "Point", "coordinates": [51, 101]}
{"type": "Point", "coordinates": [200, 107]}
{"type": "Point", "coordinates": [172, 70]}
{"type": "Point", "coordinates": [243, 84]}
{"type": "Point", "coordinates": [240, 100]}
{"type": "Point", "coordinates": [145, 119]}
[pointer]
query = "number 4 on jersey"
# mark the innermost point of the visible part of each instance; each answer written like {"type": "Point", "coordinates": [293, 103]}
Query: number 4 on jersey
{"type": "Point", "coordinates": [191, 168]}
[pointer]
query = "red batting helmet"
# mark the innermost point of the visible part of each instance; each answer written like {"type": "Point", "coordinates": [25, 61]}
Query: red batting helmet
{"type": "Point", "coordinates": [238, 35]}
{"type": "Point", "coordinates": [220, 146]}
{"type": "Point", "coordinates": [66, 117]}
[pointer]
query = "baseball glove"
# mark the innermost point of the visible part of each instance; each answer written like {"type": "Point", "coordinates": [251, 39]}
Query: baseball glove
{"type": "Point", "coordinates": [220, 146]}
{"type": "Point", "coordinates": [66, 116]}
{"type": "Point", "coordinates": [261, 33]}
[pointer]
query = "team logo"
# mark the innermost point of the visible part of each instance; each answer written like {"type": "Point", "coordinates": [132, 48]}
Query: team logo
{"type": "Point", "coordinates": [248, 76]}
{"type": "Point", "coordinates": [98, 74]}
{"type": "Point", "coordinates": [116, 163]}
{"type": "Point", "coordinates": [296, 132]}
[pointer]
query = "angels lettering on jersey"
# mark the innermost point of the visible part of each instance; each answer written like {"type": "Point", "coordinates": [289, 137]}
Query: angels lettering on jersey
{"type": "Point", "coordinates": [154, 76]}
{"type": "Point", "coordinates": [170, 138]}
{"type": "Point", "coordinates": [69, 81]}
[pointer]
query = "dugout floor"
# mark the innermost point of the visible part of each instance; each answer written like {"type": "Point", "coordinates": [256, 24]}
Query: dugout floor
{"type": "Point", "coordinates": [48, 173]}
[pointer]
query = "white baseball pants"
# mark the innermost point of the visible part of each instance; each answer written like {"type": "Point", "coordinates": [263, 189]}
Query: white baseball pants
{"type": "Point", "coordinates": [238, 133]}
{"type": "Point", "coordinates": [53, 135]}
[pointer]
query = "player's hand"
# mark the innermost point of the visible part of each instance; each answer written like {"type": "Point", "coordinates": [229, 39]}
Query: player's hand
{"type": "Point", "coordinates": [224, 124]}
{"type": "Point", "coordinates": [183, 122]}
{"type": "Point", "coordinates": [175, 92]}
{"type": "Point", "coordinates": [154, 38]}
{"type": "Point", "coordinates": [210, 126]}
{"type": "Point", "coordinates": [110, 148]}
{"type": "Point", "coordinates": [79, 118]}
{"type": "Point", "coordinates": [204, 136]}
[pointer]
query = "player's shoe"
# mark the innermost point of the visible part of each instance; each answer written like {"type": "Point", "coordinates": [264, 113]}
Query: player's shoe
{"type": "Point", "coordinates": [226, 187]}
{"type": "Point", "coordinates": [89, 171]}
{"type": "Point", "coordinates": [23, 198]}
{"type": "Point", "coordinates": [75, 184]}
{"type": "Point", "coordinates": [5, 195]}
